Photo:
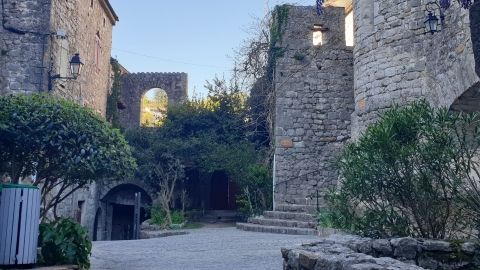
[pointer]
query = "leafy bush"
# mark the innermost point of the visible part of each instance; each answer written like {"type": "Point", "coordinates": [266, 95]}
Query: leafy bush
{"type": "Point", "coordinates": [178, 217]}
{"type": "Point", "coordinates": [257, 191]}
{"type": "Point", "coordinates": [63, 144]}
{"type": "Point", "coordinates": [158, 215]}
{"type": "Point", "coordinates": [205, 136]}
{"type": "Point", "coordinates": [410, 174]}
{"type": "Point", "coordinates": [64, 242]}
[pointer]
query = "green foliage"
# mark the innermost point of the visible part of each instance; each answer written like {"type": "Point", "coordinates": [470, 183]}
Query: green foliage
{"type": "Point", "coordinates": [205, 136]}
{"type": "Point", "coordinates": [277, 26]}
{"type": "Point", "coordinates": [257, 191]}
{"type": "Point", "coordinates": [158, 215]}
{"type": "Point", "coordinates": [277, 29]}
{"type": "Point", "coordinates": [114, 96]}
{"type": "Point", "coordinates": [65, 145]}
{"type": "Point", "coordinates": [407, 174]}
{"type": "Point", "coordinates": [64, 242]}
{"type": "Point", "coordinates": [178, 217]}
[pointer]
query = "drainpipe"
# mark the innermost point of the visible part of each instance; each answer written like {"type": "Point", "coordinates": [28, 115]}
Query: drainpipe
{"type": "Point", "coordinates": [274, 182]}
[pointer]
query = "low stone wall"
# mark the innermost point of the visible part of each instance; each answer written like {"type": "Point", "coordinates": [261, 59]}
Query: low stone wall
{"type": "Point", "coordinates": [345, 252]}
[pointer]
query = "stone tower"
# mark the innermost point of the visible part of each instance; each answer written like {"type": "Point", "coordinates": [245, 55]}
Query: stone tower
{"type": "Point", "coordinates": [396, 62]}
{"type": "Point", "coordinates": [314, 103]}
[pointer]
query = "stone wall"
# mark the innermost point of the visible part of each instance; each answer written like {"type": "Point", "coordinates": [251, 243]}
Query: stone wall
{"type": "Point", "coordinates": [314, 101]}
{"type": "Point", "coordinates": [135, 85]}
{"type": "Point", "coordinates": [475, 31]}
{"type": "Point", "coordinates": [23, 40]}
{"type": "Point", "coordinates": [31, 48]}
{"type": "Point", "coordinates": [344, 252]}
{"type": "Point", "coordinates": [88, 25]}
{"type": "Point", "coordinates": [395, 62]}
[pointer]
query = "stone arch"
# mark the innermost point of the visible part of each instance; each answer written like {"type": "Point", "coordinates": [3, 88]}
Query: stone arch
{"type": "Point", "coordinates": [153, 107]}
{"type": "Point", "coordinates": [116, 211]}
{"type": "Point", "coordinates": [135, 85]}
{"type": "Point", "coordinates": [124, 193]}
{"type": "Point", "coordinates": [469, 101]}
{"type": "Point", "coordinates": [475, 31]}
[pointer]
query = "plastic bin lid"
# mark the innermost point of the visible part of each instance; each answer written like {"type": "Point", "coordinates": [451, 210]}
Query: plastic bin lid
{"type": "Point", "coordinates": [2, 186]}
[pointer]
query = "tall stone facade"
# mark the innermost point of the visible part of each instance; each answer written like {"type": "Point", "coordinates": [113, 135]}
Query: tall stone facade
{"type": "Point", "coordinates": [38, 39]}
{"type": "Point", "coordinates": [396, 62]}
{"type": "Point", "coordinates": [24, 36]}
{"type": "Point", "coordinates": [135, 85]}
{"type": "Point", "coordinates": [89, 26]}
{"type": "Point", "coordinates": [326, 94]}
{"type": "Point", "coordinates": [314, 101]}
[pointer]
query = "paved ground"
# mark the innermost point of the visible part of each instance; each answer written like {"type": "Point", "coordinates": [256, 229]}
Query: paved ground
{"type": "Point", "coordinates": [207, 248]}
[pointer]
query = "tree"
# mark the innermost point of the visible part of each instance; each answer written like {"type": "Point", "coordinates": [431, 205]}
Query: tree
{"type": "Point", "coordinates": [62, 145]}
{"type": "Point", "coordinates": [205, 136]}
{"type": "Point", "coordinates": [413, 173]}
{"type": "Point", "coordinates": [168, 171]}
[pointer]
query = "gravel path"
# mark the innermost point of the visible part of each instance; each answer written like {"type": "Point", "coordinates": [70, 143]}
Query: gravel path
{"type": "Point", "coordinates": [207, 248]}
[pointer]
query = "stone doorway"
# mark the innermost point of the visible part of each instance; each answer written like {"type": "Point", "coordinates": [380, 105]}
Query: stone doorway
{"type": "Point", "coordinates": [122, 221]}
{"type": "Point", "coordinates": [119, 205]}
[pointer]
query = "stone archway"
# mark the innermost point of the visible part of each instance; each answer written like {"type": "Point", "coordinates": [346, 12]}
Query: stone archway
{"type": "Point", "coordinates": [135, 85]}
{"type": "Point", "coordinates": [118, 210]}
{"type": "Point", "coordinates": [469, 101]}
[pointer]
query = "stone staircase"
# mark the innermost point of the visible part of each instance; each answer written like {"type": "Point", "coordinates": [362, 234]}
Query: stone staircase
{"type": "Point", "coordinates": [286, 219]}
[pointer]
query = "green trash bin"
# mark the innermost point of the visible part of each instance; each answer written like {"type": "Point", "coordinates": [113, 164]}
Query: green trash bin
{"type": "Point", "coordinates": [19, 224]}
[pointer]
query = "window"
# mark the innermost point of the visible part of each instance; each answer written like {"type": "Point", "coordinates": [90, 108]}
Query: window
{"type": "Point", "coordinates": [317, 35]}
{"type": "Point", "coordinates": [91, 3]}
{"type": "Point", "coordinates": [98, 52]}
{"type": "Point", "coordinates": [79, 211]}
{"type": "Point", "coordinates": [349, 31]}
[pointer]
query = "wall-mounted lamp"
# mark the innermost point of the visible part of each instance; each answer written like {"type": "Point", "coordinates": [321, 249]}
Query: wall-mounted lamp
{"type": "Point", "coordinates": [434, 18]}
{"type": "Point", "coordinates": [76, 65]}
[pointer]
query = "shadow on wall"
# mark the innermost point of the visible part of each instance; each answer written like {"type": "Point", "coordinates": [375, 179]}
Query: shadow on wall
{"type": "Point", "coordinates": [475, 30]}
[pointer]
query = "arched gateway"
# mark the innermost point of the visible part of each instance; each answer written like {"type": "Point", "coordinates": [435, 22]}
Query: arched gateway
{"type": "Point", "coordinates": [135, 85]}
{"type": "Point", "coordinates": [114, 217]}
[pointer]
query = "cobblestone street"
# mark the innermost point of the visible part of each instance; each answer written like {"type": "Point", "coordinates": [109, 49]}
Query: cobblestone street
{"type": "Point", "coordinates": [207, 248]}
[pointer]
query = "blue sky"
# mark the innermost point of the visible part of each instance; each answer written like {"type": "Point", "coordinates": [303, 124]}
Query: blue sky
{"type": "Point", "coordinates": [198, 37]}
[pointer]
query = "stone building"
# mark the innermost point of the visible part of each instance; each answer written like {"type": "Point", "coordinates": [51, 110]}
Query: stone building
{"type": "Point", "coordinates": [340, 70]}
{"type": "Point", "coordinates": [38, 39]}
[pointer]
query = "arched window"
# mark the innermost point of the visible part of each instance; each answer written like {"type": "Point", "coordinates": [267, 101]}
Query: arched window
{"type": "Point", "coordinates": [153, 108]}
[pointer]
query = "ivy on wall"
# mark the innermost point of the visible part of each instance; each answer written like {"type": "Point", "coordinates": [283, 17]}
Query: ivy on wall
{"type": "Point", "coordinates": [114, 95]}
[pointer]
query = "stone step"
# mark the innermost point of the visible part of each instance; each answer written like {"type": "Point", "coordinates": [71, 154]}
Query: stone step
{"type": "Point", "coordinates": [275, 229]}
{"type": "Point", "coordinates": [281, 223]}
{"type": "Point", "coordinates": [289, 215]}
{"type": "Point", "coordinates": [312, 209]}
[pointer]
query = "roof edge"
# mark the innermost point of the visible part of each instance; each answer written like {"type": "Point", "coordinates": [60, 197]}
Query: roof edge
{"type": "Point", "coordinates": [109, 10]}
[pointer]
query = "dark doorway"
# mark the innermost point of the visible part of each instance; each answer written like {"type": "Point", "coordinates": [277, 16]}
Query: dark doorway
{"type": "Point", "coordinates": [119, 203]}
{"type": "Point", "coordinates": [122, 222]}
{"type": "Point", "coordinates": [223, 192]}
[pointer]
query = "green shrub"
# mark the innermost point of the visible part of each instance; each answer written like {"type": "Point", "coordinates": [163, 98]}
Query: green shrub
{"type": "Point", "coordinates": [64, 242]}
{"type": "Point", "coordinates": [256, 195]}
{"type": "Point", "coordinates": [408, 175]}
{"type": "Point", "coordinates": [65, 145]}
{"type": "Point", "coordinates": [158, 215]}
{"type": "Point", "coordinates": [178, 217]}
